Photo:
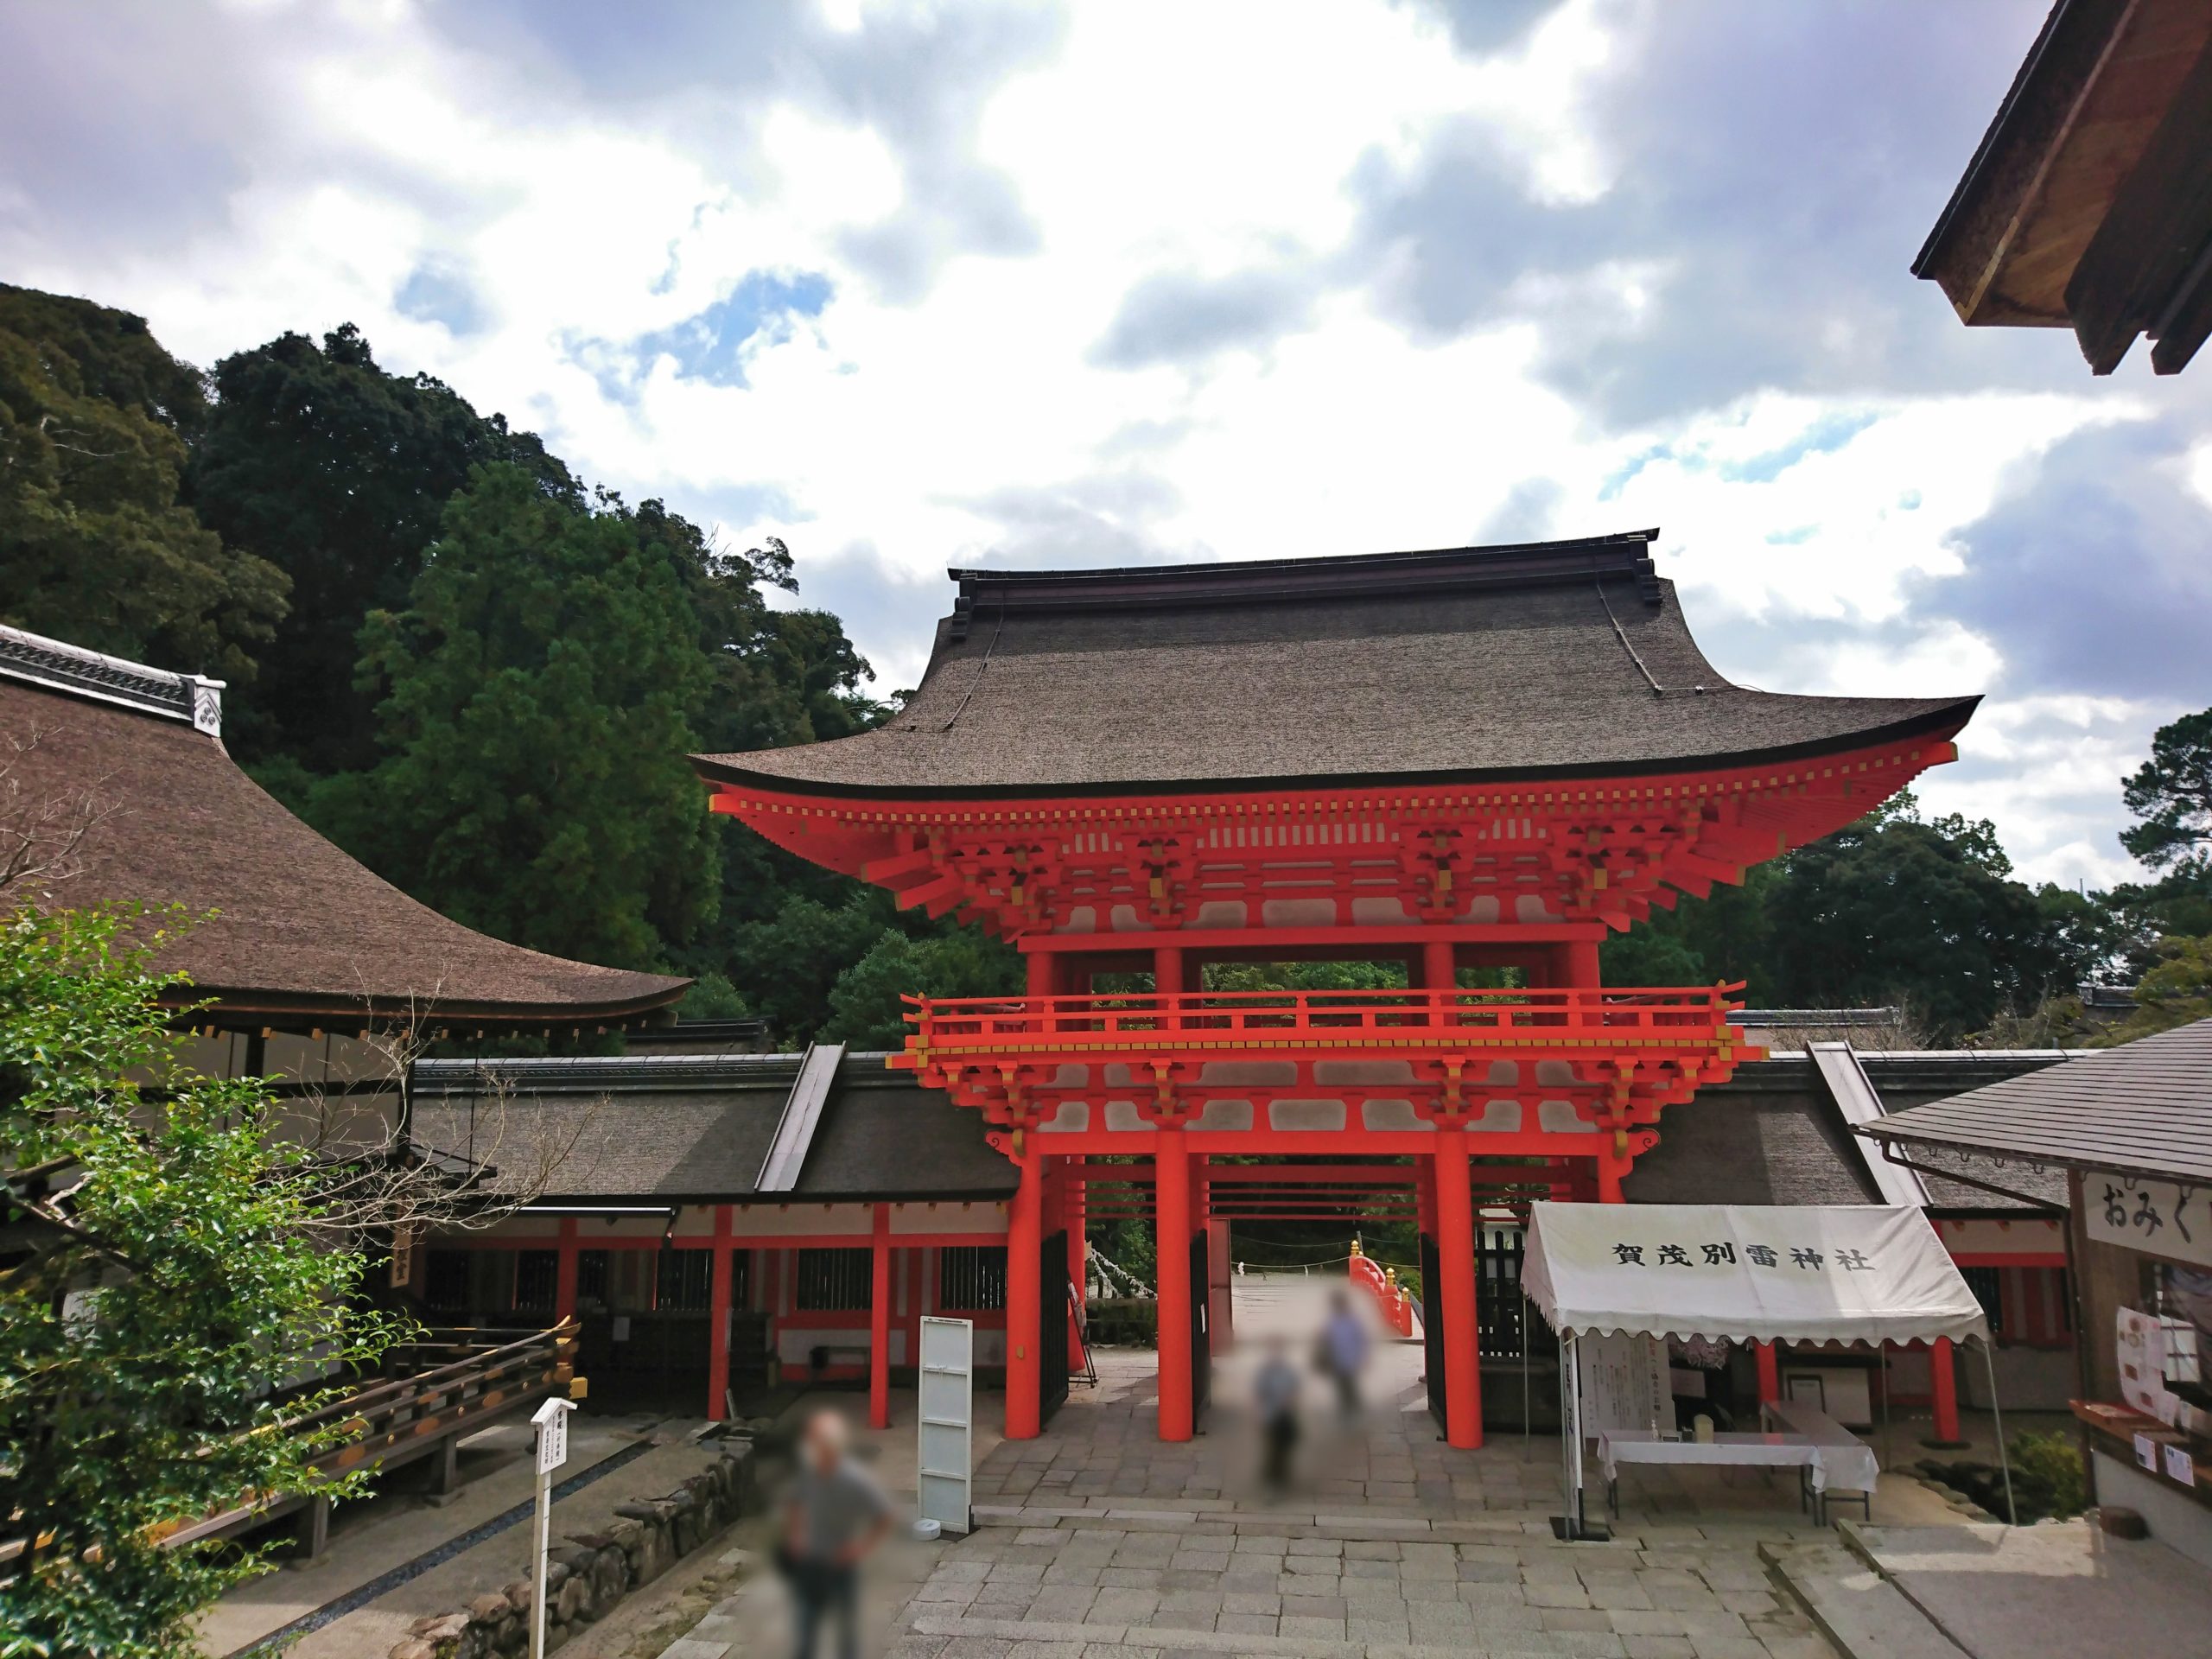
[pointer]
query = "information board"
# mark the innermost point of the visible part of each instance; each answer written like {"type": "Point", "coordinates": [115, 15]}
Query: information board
{"type": "Point", "coordinates": [1623, 1384]}
{"type": "Point", "coordinates": [945, 1479]}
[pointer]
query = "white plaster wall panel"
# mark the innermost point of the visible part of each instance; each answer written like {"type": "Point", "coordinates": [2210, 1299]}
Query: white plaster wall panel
{"type": "Point", "coordinates": [948, 1217]}
{"type": "Point", "coordinates": [1560, 1117]}
{"type": "Point", "coordinates": [1072, 1117]}
{"type": "Point", "coordinates": [2024, 1238]}
{"type": "Point", "coordinates": [1220, 912]}
{"type": "Point", "coordinates": [1393, 1115]}
{"type": "Point", "coordinates": [1499, 1117]}
{"type": "Point", "coordinates": [1379, 910]}
{"type": "Point", "coordinates": [1248, 1074]}
{"type": "Point", "coordinates": [1121, 1116]}
{"type": "Point", "coordinates": [1307, 1115]}
{"type": "Point", "coordinates": [1081, 919]}
{"type": "Point", "coordinates": [1298, 913]}
{"type": "Point", "coordinates": [804, 1220]}
{"type": "Point", "coordinates": [1071, 1074]}
{"type": "Point", "coordinates": [1362, 1073]}
{"type": "Point", "coordinates": [1503, 1074]}
{"type": "Point", "coordinates": [1482, 908]}
{"type": "Point", "coordinates": [1117, 1076]}
{"type": "Point", "coordinates": [1229, 1117]}
{"type": "Point", "coordinates": [1532, 907]}
{"type": "Point", "coordinates": [1555, 1074]}
{"type": "Point", "coordinates": [1125, 919]}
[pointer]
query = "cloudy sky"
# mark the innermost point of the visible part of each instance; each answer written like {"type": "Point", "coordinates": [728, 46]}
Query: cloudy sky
{"type": "Point", "coordinates": [922, 285]}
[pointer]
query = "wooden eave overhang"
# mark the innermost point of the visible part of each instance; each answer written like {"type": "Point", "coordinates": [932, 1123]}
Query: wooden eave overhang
{"type": "Point", "coordinates": [2088, 202]}
{"type": "Point", "coordinates": [1198, 796]}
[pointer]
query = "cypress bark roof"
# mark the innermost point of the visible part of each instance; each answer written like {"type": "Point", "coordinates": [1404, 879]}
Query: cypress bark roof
{"type": "Point", "coordinates": [1469, 664]}
{"type": "Point", "coordinates": [301, 929]}
{"type": "Point", "coordinates": [697, 1129]}
{"type": "Point", "coordinates": [1772, 1134]}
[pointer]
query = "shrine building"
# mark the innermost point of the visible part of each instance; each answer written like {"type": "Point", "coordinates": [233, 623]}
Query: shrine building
{"type": "Point", "coordinates": [1478, 763]}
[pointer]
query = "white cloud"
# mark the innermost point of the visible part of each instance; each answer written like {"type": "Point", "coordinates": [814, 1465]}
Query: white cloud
{"type": "Point", "coordinates": [1205, 141]}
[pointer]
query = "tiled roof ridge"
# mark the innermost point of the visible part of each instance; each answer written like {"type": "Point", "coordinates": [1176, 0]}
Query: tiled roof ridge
{"type": "Point", "coordinates": [193, 699]}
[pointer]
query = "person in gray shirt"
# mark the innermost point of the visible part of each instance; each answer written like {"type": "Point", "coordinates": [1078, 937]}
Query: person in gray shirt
{"type": "Point", "coordinates": [836, 1516]}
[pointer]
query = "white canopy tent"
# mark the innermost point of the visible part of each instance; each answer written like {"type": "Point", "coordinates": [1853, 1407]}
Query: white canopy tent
{"type": "Point", "coordinates": [1740, 1272]}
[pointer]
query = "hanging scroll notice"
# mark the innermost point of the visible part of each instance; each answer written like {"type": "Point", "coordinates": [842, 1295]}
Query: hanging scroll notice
{"type": "Point", "coordinates": [1623, 1384]}
{"type": "Point", "coordinates": [2142, 1365]}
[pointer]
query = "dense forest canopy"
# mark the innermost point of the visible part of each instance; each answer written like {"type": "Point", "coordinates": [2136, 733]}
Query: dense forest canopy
{"type": "Point", "coordinates": [480, 675]}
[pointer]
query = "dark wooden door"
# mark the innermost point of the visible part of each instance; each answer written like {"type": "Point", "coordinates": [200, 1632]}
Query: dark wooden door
{"type": "Point", "coordinates": [1201, 1341]}
{"type": "Point", "coordinates": [1431, 1329]}
{"type": "Point", "coordinates": [1052, 1327]}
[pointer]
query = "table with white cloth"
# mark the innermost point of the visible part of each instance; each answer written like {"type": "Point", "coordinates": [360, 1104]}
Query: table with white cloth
{"type": "Point", "coordinates": [1847, 1463]}
{"type": "Point", "coordinates": [1618, 1446]}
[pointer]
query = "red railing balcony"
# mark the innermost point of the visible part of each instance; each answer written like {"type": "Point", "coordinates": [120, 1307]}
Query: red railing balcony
{"type": "Point", "coordinates": [1535, 1061]}
{"type": "Point", "coordinates": [1256, 1022]}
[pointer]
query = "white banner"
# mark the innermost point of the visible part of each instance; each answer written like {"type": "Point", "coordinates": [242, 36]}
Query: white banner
{"type": "Point", "coordinates": [1842, 1272]}
{"type": "Point", "coordinates": [2157, 1217]}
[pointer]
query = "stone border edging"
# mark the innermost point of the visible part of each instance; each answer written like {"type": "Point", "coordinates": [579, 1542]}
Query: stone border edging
{"type": "Point", "coordinates": [587, 1575]}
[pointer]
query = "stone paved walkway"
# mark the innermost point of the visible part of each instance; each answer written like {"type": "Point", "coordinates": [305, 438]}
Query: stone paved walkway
{"type": "Point", "coordinates": [1096, 1541]}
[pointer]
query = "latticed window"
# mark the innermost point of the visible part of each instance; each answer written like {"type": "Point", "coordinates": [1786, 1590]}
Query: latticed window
{"type": "Point", "coordinates": [538, 1274]}
{"type": "Point", "coordinates": [445, 1282]}
{"type": "Point", "coordinates": [971, 1278]}
{"type": "Point", "coordinates": [685, 1282]}
{"type": "Point", "coordinates": [591, 1275]}
{"type": "Point", "coordinates": [833, 1281]}
{"type": "Point", "coordinates": [1988, 1290]}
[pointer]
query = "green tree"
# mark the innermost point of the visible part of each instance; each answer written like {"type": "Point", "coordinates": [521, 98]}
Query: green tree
{"type": "Point", "coordinates": [2170, 795]}
{"type": "Point", "coordinates": [156, 1324]}
{"type": "Point", "coordinates": [866, 1009]}
{"type": "Point", "coordinates": [1894, 908]}
{"type": "Point", "coordinates": [541, 678]}
{"type": "Point", "coordinates": [338, 473]}
{"type": "Point", "coordinates": [95, 545]}
{"type": "Point", "coordinates": [2176, 992]}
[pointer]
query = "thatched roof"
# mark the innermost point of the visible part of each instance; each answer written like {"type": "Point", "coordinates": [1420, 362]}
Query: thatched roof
{"type": "Point", "coordinates": [1549, 659]}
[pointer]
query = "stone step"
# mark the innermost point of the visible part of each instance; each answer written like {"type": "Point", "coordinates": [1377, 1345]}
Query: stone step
{"type": "Point", "coordinates": [1857, 1608]}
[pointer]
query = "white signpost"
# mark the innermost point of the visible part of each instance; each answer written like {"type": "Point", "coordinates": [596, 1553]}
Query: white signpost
{"type": "Point", "coordinates": [551, 1422]}
{"type": "Point", "coordinates": [945, 1481]}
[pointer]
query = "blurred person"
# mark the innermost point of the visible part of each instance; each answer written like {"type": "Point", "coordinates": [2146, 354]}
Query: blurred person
{"type": "Point", "coordinates": [1343, 1352]}
{"type": "Point", "coordinates": [1275, 1390]}
{"type": "Point", "coordinates": [834, 1518]}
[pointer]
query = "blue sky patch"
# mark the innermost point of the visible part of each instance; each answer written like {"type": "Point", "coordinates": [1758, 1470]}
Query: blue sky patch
{"type": "Point", "coordinates": [1823, 436]}
{"type": "Point", "coordinates": [430, 294]}
{"type": "Point", "coordinates": [710, 346]}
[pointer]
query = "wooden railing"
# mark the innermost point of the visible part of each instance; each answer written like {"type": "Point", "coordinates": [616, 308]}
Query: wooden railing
{"type": "Point", "coordinates": [1256, 1021]}
{"type": "Point", "coordinates": [451, 1382]}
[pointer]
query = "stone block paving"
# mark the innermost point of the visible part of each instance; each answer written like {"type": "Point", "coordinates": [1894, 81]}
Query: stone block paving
{"type": "Point", "coordinates": [1096, 1541]}
{"type": "Point", "coordinates": [1098, 1584]}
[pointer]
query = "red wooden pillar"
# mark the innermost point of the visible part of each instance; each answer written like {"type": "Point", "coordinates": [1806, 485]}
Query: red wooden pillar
{"type": "Point", "coordinates": [564, 1274]}
{"type": "Point", "coordinates": [1770, 1372]}
{"type": "Point", "coordinates": [1043, 968]}
{"type": "Point", "coordinates": [1610, 1171]}
{"type": "Point", "coordinates": [1943, 1385]}
{"type": "Point", "coordinates": [1580, 961]}
{"type": "Point", "coordinates": [1439, 966]}
{"type": "Point", "coordinates": [879, 1321]}
{"type": "Point", "coordinates": [1455, 1250]}
{"type": "Point", "coordinates": [1025, 1244]}
{"type": "Point", "coordinates": [1167, 970]}
{"type": "Point", "coordinates": [718, 1303]}
{"type": "Point", "coordinates": [1172, 1211]}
